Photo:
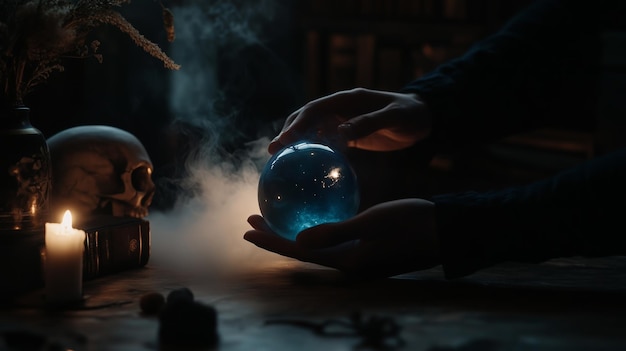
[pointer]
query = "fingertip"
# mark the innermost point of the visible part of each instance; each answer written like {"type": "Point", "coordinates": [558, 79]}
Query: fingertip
{"type": "Point", "coordinates": [274, 146]}
{"type": "Point", "coordinates": [280, 141]}
{"type": "Point", "coordinates": [252, 236]}
{"type": "Point", "coordinates": [246, 236]}
{"type": "Point", "coordinates": [258, 222]}
{"type": "Point", "coordinates": [258, 237]}
{"type": "Point", "coordinates": [289, 136]}
{"type": "Point", "coordinates": [253, 218]}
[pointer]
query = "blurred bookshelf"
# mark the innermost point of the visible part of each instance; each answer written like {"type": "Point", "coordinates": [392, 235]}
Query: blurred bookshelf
{"type": "Point", "coordinates": [384, 44]}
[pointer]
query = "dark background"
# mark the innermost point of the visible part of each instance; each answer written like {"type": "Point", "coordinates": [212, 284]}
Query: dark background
{"type": "Point", "coordinates": [247, 64]}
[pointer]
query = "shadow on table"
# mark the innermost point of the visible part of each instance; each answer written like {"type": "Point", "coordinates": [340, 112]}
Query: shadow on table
{"type": "Point", "coordinates": [559, 285]}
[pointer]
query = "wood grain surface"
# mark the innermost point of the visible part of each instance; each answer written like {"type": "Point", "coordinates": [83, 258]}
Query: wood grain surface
{"type": "Point", "coordinates": [566, 304]}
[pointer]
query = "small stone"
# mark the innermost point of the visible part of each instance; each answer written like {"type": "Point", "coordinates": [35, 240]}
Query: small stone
{"type": "Point", "coordinates": [180, 295]}
{"type": "Point", "coordinates": [188, 324]}
{"type": "Point", "coordinates": [151, 303]}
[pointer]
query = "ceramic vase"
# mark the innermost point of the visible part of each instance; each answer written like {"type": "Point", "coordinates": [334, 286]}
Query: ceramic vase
{"type": "Point", "coordinates": [25, 173]}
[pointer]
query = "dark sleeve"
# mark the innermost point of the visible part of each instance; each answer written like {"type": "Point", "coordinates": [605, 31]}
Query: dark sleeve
{"type": "Point", "coordinates": [579, 212]}
{"type": "Point", "coordinates": [511, 81]}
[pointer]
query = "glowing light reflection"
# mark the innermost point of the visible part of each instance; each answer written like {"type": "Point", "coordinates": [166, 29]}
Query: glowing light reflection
{"type": "Point", "coordinates": [304, 185]}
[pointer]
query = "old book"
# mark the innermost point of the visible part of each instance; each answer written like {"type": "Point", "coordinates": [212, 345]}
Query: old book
{"type": "Point", "coordinates": [115, 244]}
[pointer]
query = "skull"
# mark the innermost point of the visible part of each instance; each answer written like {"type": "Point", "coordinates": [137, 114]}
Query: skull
{"type": "Point", "coordinates": [99, 169]}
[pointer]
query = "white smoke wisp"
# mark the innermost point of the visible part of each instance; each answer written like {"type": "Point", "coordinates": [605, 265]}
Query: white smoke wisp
{"type": "Point", "coordinates": [204, 234]}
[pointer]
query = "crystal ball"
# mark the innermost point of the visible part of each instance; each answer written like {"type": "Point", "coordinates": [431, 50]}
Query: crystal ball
{"type": "Point", "coordinates": [306, 184]}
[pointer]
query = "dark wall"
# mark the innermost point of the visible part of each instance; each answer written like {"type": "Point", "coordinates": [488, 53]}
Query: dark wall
{"type": "Point", "coordinates": [258, 82]}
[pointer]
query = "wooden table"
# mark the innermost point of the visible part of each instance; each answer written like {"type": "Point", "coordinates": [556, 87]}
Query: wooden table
{"type": "Point", "coordinates": [568, 304]}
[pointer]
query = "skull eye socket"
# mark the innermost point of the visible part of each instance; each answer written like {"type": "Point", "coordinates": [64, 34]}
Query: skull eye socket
{"type": "Point", "coordinates": [140, 178]}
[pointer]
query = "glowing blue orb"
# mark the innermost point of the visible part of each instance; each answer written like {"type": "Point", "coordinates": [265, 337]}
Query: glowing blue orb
{"type": "Point", "coordinates": [306, 184]}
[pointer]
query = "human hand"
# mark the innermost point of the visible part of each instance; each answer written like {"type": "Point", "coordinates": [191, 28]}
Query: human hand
{"type": "Point", "coordinates": [387, 239]}
{"type": "Point", "coordinates": [362, 118]}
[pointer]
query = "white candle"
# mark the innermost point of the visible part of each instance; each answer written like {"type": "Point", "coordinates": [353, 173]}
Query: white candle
{"type": "Point", "coordinates": [63, 268]}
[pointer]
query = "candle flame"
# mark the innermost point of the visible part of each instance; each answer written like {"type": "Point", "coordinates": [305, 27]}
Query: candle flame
{"type": "Point", "coordinates": [67, 220]}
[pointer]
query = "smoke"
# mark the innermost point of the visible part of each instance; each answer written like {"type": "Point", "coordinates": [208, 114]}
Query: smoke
{"type": "Point", "coordinates": [231, 84]}
{"type": "Point", "coordinates": [203, 231]}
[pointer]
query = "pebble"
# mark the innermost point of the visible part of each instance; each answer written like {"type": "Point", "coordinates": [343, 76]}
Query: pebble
{"type": "Point", "coordinates": [180, 295]}
{"type": "Point", "coordinates": [151, 303]}
{"type": "Point", "coordinates": [188, 324]}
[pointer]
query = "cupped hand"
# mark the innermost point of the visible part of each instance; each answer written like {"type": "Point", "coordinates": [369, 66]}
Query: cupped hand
{"type": "Point", "coordinates": [387, 239]}
{"type": "Point", "coordinates": [362, 118]}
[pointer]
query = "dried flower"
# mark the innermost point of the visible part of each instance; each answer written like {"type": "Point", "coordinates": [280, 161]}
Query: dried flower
{"type": "Point", "coordinates": [168, 23]}
{"type": "Point", "coordinates": [35, 35]}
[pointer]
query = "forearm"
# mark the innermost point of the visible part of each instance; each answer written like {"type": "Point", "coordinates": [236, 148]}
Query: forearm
{"type": "Point", "coordinates": [579, 212]}
{"type": "Point", "coordinates": [513, 80]}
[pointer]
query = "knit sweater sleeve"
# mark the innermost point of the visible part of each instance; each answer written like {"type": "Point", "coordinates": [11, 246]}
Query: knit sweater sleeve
{"type": "Point", "coordinates": [511, 81]}
{"type": "Point", "coordinates": [579, 212]}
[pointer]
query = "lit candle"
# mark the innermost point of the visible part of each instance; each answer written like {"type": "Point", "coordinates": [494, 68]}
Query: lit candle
{"type": "Point", "coordinates": [63, 268]}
